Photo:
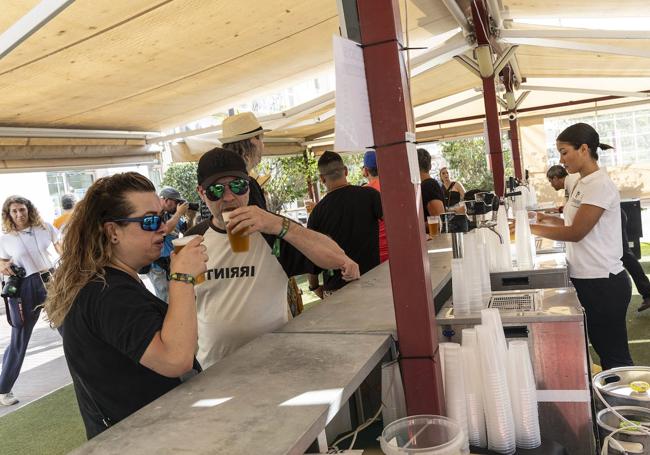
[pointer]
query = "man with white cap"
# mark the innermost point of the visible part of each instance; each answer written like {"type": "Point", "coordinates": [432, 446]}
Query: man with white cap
{"type": "Point", "coordinates": [244, 294]}
{"type": "Point", "coordinates": [243, 134]}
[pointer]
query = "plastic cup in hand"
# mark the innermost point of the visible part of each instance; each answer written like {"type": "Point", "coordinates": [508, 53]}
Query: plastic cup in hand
{"type": "Point", "coordinates": [179, 244]}
{"type": "Point", "coordinates": [240, 242]}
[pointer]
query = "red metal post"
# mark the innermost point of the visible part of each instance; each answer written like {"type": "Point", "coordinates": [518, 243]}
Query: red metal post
{"type": "Point", "coordinates": [392, 117]}
{"type": "Point", "coordinates": [507, 75]}
{"type": "Point", "coordinates": [514, 141]}
{"type": "Point", "coordinates": [481, 27]}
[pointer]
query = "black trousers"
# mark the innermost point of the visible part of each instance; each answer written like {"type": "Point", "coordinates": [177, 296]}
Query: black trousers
{"type": "Point", "coordinates": [631, 263]}
{"type": "Point", "coordinates": [605, 301]}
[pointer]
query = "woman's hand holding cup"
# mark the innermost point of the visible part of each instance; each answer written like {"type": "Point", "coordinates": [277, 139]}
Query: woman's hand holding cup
{"type": "Point", "coordinates": [189, 257]}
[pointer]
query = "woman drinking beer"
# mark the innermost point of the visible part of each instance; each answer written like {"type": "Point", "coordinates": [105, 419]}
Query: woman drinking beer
{"type": "Point", "coordinates": [124, 346]}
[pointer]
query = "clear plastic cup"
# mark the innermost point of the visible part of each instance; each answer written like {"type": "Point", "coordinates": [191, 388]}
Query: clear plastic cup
{"type": "Point", "coordinates": [179, 244]}
{"type": "Point", "coordinates": [240, 242]}
{"type": "Point", "coordinates": [434, 225]}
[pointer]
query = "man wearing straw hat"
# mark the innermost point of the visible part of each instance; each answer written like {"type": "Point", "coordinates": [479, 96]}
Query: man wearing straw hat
{"type": "Point", "coordinates": [244, 294]}
{"type": "Point", "coordinates": [243, 134]}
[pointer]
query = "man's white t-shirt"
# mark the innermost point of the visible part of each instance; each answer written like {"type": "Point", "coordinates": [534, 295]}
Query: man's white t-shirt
{"type": "Point", "coordinates": [569, 182]}
{"type": "Point", "coordinates": [244, 294]}
{"type": "Point", "coordinates": [29, 248]}
{"type": "Point", "coordinates": [599, 253]}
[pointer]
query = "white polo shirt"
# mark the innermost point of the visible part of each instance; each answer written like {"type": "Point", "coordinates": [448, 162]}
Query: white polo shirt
{"type": "Point", "coordinates": [29, 248]}
{"type": "Point", "coordinates": [599, 253]}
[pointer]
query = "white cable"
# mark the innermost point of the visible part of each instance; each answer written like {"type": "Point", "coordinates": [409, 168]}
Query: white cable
{"type": "Point", "coordinates": [354, 433]}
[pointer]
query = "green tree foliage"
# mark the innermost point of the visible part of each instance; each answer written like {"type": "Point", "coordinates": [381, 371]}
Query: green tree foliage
{"type": "Point", "coordinates": [288, 178]}
{"type": "Point", "coordinates": [467, 159]}
{"type": "Point", "coordinates": [182, 176]}
{"type": "Point", "coordinates": [354, 163]}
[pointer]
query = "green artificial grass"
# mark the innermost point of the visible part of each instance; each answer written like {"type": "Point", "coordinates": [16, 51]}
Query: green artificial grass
{"type": "Point", "coordinates": [48, 426]}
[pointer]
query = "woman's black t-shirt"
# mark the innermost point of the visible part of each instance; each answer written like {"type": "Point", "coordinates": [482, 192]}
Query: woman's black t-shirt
{"type": "Point", "coordinates": [105, 333]}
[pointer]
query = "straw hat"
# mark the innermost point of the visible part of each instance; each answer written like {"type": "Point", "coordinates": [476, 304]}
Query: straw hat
{"type": "Point", "coordinates": [239, 127]}
{"type": "Point", "coordinates": [263, 179]}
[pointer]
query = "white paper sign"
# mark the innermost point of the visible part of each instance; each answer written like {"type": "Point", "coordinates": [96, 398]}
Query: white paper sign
{"type": "Point", "coordinates": [412, 155]}
{"type": "Point", "coordinates": [353, 130]}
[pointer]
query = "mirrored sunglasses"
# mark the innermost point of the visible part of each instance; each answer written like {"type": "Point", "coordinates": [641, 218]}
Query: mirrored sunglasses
{"type": "Point", "coordinates": [147, 223]}
{"type": "Point", "coordinates": [216, 191]}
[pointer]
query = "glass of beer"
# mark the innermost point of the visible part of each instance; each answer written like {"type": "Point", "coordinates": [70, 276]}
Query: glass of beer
{"type": "Point", "coordinates": [240, 242]}
{"type": "Point", "coordinates": [434, 225]}
{"type": "Point", "coordinates": [179, 244]}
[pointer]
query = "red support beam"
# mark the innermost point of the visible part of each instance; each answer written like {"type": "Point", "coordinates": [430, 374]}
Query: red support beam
{"type": "Point", "coordinates": [507, 75]}
{"type": "Point", "coordinates": [480, 21]}
{"type": "Point", "coordinates": [392, 117]}
{"type": "Point", "coordinates": [514, 141]}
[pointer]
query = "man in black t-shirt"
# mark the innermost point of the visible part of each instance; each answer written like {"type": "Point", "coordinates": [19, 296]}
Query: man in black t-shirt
{"type": "Point", "coordinates": [432, 195]}
{"type": "Point", "coordinates": [348, 214]}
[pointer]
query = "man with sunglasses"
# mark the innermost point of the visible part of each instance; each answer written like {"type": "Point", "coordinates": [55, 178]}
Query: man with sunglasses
{"type": "Point", "coordinates": [245, 294]}
{"type": "Point", "coordinates": [174, 209]}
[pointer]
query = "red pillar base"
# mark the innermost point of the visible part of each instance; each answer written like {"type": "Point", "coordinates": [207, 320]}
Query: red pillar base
{"type": "Point", "coordinates": [422, 375]}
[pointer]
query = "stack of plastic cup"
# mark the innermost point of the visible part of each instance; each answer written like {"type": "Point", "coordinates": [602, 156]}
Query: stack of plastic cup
{"type": "Point", "coordinates": [523, 241]}
{"type": "Point", "coordinates": [476, 432]}
{"type": "Point", "coordinates": [459, 285]}
{"type": "Point", "coordinates": [455, 386]}
{"type": "Point", "coordinates": [498, 409]}
{"type": "Point", "coordinates": [481, 256]}
{"type": "Point", "coordinates": [524, 395]}
{"type": "Point", "coordinates": [472, 269]}
{"type": "Point", "coordinates": [504, 259]}
{"type": "Point", "coordinates": [441, 352]}
{"type": "Point", "coordinates": [490, 317]}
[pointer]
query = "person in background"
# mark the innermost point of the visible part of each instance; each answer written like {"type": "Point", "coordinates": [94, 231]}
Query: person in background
{"type": "Point", "coordinates": [67, 204]}
{"type": "Point", "coordinates": [243, 134]}
{"type": "Point", "coordinates": [371, 173]}
{"type": "Point", "coordinates": [432, 195]}
{"type": "Point", "coordinates": [592, 231]}
{"type": "Point", "coordinates": [124, 346]}
{"type": "Point", "coordinates": [24, 258]}
{"type": "Point", "coordinates": [560, 179]}
{"type": "Point", "coordinates": [348, 214]}
{"type": "Point", "coordinates": [174, 208]}
{"type": "Point", "coordinates": [453, 191]}
{"type": "Point", "coordinates": [245, 293]}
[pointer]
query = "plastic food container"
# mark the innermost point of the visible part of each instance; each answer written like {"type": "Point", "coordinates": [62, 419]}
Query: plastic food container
{"type": "Point", "coordinates": [424, 435]}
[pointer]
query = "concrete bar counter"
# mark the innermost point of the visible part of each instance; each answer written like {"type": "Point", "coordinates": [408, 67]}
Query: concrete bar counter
{"type": "Point", "coordinates": [276, 394]}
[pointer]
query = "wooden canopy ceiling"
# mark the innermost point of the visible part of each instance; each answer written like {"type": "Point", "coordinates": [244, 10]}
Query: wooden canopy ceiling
{"type": "Point", "coordinates": [151, 65]}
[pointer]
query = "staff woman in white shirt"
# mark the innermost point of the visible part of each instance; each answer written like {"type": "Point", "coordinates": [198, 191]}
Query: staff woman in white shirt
{"type": "Point", "coordinates": [25, 245]}
{"type": "Point", "coordinates": [592, 230]}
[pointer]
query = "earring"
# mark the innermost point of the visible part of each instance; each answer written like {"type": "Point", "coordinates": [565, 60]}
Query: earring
{"type": "Point", "coordinates": [114, 239]}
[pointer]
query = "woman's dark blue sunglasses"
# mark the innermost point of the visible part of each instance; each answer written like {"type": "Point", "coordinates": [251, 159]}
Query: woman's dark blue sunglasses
{"type": "Point", "coordinates": [216, 190]}
{"type": "Point", "coordinates": [147, 223]}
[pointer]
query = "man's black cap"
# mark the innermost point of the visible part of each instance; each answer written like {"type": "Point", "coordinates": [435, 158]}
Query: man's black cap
{"type": "Point", "coordinates": [217, 163]}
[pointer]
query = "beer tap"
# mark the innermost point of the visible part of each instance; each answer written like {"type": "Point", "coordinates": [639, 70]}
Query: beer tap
{"type": "Point", "coordinates": [482, 205]}
{"type": "Point", "coordinates": [455, 224]}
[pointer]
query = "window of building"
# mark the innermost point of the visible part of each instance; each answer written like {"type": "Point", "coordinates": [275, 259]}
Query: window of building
{"type": "Point", "coordinates": [627, 132]}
